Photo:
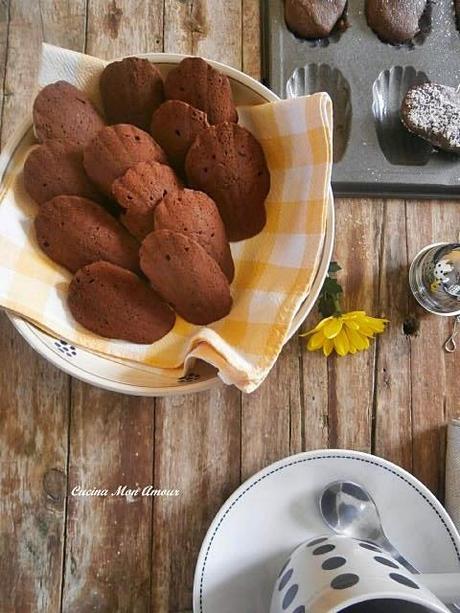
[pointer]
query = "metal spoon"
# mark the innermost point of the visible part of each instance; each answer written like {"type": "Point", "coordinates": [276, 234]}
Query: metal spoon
{"type": "Point", "coordinates": [347, 508]}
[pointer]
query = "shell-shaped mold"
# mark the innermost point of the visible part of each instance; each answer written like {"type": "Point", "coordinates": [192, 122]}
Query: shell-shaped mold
{"type": "Point", "coordinates": [320, 43]}
{"type": "Point", "coordinates": [426, 24]}
{"type": "Point", "coordinates": [314, 78]}
{"type": "Point", "coordinates": [399, 146]}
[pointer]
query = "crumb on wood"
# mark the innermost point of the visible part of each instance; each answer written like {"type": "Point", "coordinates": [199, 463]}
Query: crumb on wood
{"type": "Point", "coordinates": [411, 325]}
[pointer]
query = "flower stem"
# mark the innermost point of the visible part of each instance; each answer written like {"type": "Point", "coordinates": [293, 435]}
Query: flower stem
{"type": "Point", "coordinates": [337, 307]}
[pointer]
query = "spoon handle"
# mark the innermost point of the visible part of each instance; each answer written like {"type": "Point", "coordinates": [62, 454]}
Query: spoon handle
{"type": "Point", "coordinates": [386, 544]}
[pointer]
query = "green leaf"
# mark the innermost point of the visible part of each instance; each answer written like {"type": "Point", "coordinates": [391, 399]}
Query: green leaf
{"type": "Point", "coordinates": [332, 287]}
{"type": "Point", "coordinates": [329, 298]}
{"type": "Point", "coordinates": [326, 306]}
{"type": "Point", "coordinates": [334, 268]}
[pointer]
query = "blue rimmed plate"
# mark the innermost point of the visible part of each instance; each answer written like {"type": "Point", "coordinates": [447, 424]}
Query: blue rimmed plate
{"type": "Point", "coordinates": [277, 509]}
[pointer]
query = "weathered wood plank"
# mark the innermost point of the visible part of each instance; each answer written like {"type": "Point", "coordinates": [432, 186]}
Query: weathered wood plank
{"type": "Point", "coordinates": [351, 379]}
{"type": "Point", "coordinates": [197, 450]}
{"type": "Point", "coordinates": [333, 415]}
{"type": "Point", "coordinates": [118, 28]}
{"type": "Point", "coordinates": [251, 36]}
{"type": "Point", "coordinates": [63, 23]}
{"type": "Point", "coordinates": [434, 374]}
{"type": "Point", "coordinates": [271, 425]}
{"type": "Point", "coordinates": [34, 395]}
{"type": "Point", "coordinates": [60, 23]}
{"type": "Point", "coordinates": [392, 407]}
{"type": "Point", "coordinates": [4, 33]}
{"type": "Point", "coordinates": [197, 444]}
{"type": "Point", "coordinates": [109, 539]}
{"type": "Point", "coordinates": [314, 392]}
{"type": "Point", "coordinates": [33, 459]}
{"type": "Point", "coordinates": [210, 29]}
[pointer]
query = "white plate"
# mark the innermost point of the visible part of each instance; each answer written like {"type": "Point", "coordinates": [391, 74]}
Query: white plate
{"type": "Point", "coordinates": [277, 509]}
{"type": "Point", "coordinates": [124, 376]}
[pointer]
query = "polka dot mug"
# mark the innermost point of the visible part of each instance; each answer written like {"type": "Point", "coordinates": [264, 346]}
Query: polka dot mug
{"type": "Point", "coordinates": [332, 574]}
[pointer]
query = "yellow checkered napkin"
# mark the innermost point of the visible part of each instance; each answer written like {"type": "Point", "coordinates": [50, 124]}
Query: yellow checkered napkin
{"type": "Point", "coordinates": [274, 270]}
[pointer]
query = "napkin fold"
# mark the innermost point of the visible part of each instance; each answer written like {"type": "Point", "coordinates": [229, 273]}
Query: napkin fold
{"type": "Point", "coordinates": [274, 270]}
{"type": "Point", "coordinates": [453, 471]}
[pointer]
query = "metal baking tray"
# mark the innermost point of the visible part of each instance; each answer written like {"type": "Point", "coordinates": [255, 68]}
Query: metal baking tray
{"type": "Point", "coordinates": [366, 78]}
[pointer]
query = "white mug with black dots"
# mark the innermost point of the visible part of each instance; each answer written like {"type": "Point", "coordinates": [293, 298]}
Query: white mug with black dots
{"type": "Point", "coordinates": [332, 574]}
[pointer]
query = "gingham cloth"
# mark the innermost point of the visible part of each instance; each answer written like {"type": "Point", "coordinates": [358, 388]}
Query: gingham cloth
{"type": "Point", "coordinates": [274, 270]}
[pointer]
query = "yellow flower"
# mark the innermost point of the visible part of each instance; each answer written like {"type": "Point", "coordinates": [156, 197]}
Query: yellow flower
{"type": "Point", "coordinates": [346, 333]}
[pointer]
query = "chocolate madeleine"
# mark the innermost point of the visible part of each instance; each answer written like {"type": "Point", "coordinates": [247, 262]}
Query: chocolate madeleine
{"type": "Point", "coordinates": [395, 21]}
{"type": "Point", "coordinates": [63, 111]}
{"type": "Point", "coordinates": [139, 191]}
{"type": "Point", "coordinates": [175, 125]}
{"type": "Point", "coordinates": [74, 232]}
{"type": "Point", "coordinates": [186, 276]}
{"type": "Point", "coordinates": [115, 303]}
{"type": "Point", "coordinates": [313, 18]}
{"type": "Point", "coordinates": [55, 168]}
{"type": "Point", "coordinates": [131, 90]}
{"type": "Point", "coordinates": [114, 150]}
{"type": "Point", "coordinates": [432, 111]}
{"type": "Point", "coordinates": [228, 163]}
{"type": "Point", "coordinates": [199, 84]}
{"type": "Point", "coordinates": [196, 215]}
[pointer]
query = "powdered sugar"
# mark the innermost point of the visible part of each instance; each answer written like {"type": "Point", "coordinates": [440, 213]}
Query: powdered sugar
{"type": "Point", "coordinates": [434, 110]}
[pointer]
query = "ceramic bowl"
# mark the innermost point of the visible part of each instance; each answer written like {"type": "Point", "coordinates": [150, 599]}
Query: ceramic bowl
{"type": "Point", "coordinates": [124, 376]}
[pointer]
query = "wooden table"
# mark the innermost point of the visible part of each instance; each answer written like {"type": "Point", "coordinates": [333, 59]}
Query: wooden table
{"type": "Point", "coordinates": [109, 554]}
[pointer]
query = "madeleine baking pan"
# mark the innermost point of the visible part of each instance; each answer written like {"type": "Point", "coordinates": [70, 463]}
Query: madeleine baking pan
{"type": "Point", "coordinates": [367, 79]}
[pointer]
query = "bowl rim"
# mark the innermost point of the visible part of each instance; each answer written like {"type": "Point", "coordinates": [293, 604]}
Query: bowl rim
{"type": "Point", "coordinates": [27, 329]}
